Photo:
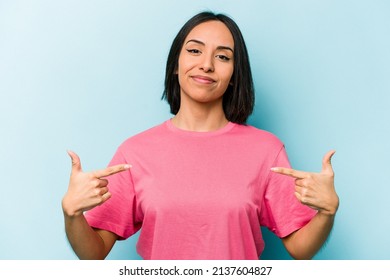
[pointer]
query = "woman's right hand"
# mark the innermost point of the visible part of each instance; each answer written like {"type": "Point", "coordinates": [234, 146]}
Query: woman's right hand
{"type": "Point", "coordinates": [87, 190]}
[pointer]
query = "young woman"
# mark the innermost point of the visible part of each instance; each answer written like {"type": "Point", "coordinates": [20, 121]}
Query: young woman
{"type": "Point", "coordinates": [201, 184]}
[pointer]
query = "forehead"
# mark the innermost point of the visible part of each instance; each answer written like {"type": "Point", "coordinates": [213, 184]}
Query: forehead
{"type": "Point", "coordinates": [212, 32]}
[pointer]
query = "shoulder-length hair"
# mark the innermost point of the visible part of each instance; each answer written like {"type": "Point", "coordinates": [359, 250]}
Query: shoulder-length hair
{"type": "Point", "coordinates": [239, 98]}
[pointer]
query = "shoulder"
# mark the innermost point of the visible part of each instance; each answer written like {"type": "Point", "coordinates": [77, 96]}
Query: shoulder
{"type": "Point", "coordinates": [251, 133]}
{"type": "Point", "coordinates": [149, 135]}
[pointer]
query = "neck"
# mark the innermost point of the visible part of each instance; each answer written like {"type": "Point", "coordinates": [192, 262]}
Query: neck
{"type": "Point", "coordinates": [200, 118]}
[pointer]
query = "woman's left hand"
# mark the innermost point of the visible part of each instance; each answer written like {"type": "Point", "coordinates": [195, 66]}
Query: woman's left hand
{"type": "Point", "coordinates": [315, 190]}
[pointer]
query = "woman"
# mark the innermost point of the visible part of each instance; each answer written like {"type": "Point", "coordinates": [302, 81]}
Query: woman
{"type": "Point", "coordinates": [202, 183]}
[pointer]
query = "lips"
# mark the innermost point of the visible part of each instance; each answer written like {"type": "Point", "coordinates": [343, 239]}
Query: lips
{"type": "Point", "coordinates": [202, 79]}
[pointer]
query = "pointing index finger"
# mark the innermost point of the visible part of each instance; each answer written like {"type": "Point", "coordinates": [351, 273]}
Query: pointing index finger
{"type": "Point", "coordinates": [289, 172]}
{"type": "Point", "coordinates": [111, 170]}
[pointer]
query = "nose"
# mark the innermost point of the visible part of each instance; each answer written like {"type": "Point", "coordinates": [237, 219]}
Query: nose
{"type": "Point", "coordinates": [207, 63]}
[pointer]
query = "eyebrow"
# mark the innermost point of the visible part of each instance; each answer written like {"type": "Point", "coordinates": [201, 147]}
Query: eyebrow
{"type": "Point", "coordinates": [218, 48]}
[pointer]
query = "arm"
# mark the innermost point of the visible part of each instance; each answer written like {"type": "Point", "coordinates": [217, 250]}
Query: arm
{"type": "Point", "coordinates": [88, 243]}
{"type": "Point", "coordinates": [317, 191]}
{"type": "Point", "coordinates": [307, 241]}
{"type": "Point", "coordinates": [86, 191]}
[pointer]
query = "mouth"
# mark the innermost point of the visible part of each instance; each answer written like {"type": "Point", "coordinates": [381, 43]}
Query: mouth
{"type": "Point", "coordinates": [203, 79]}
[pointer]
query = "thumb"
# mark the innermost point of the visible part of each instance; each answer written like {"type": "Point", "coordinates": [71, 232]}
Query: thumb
{"type": "Point", "coordinates": [76, 164]}
{"type": "Point", "coordinates": [326, 162]}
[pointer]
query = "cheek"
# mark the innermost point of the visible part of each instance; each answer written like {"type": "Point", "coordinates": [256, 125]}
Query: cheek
{"type": "Point", "coordinates": [185, 64]}
{"type": "Point", "coordinates": [181, 73]}
{"type": "Point", "coordinates": [228, 74]}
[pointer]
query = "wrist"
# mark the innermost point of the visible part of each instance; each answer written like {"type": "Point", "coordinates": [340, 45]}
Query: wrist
{"type": "Point", "coordinates": [327, 214]}
{"type": "Point", "coordinates": [331, 212]}
{"type": "Point", "coordinates": [332, 208]}
{"type": "Point", "coordinates": [69, 210]}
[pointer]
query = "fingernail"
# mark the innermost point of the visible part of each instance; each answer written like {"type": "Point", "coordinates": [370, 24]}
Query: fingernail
{"type": "Point", "coordinates": [127, 166]}
{"type": "Point", "coordinates": [274, 169]}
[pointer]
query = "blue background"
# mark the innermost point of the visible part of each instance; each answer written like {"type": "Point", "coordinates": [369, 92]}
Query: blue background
{"type": "Point", "coordinates": [85, 75]}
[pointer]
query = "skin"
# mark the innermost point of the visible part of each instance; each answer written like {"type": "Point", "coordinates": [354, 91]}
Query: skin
{"type": "Point", "coordinates": [87, 190]}
{"type": "Point", "coordinates": [205, 68]}
{"type": "Point", "coordinates": [317, 191]}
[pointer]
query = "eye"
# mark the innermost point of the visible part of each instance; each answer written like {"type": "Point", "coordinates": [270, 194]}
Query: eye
{"type": "Point", "coordinates": [194, 51]}
{"type": "Point", "coordinates": [223, 57]}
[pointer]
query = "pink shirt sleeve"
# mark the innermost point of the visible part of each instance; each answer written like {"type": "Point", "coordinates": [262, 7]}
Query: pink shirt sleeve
{"type": "Point", "coordinates": [282, 213]}
{"type": "Point", "coordinates": [118, 213]}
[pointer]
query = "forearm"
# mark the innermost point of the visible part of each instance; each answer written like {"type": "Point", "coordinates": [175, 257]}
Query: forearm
{"type": "Point", "coordinates": [86, 191]}
{"type": "Point", "coordinates": [307, 241]}
{"type": "Point", "coordinates": [86, 243]}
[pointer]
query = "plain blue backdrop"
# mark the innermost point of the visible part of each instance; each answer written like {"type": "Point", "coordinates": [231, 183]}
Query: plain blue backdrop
{"type": "Point", "coordinates": [86, 75]}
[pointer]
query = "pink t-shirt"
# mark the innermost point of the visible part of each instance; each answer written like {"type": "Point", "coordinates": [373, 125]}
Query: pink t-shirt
{"type": "Point", "coordinates": [200, 195]}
